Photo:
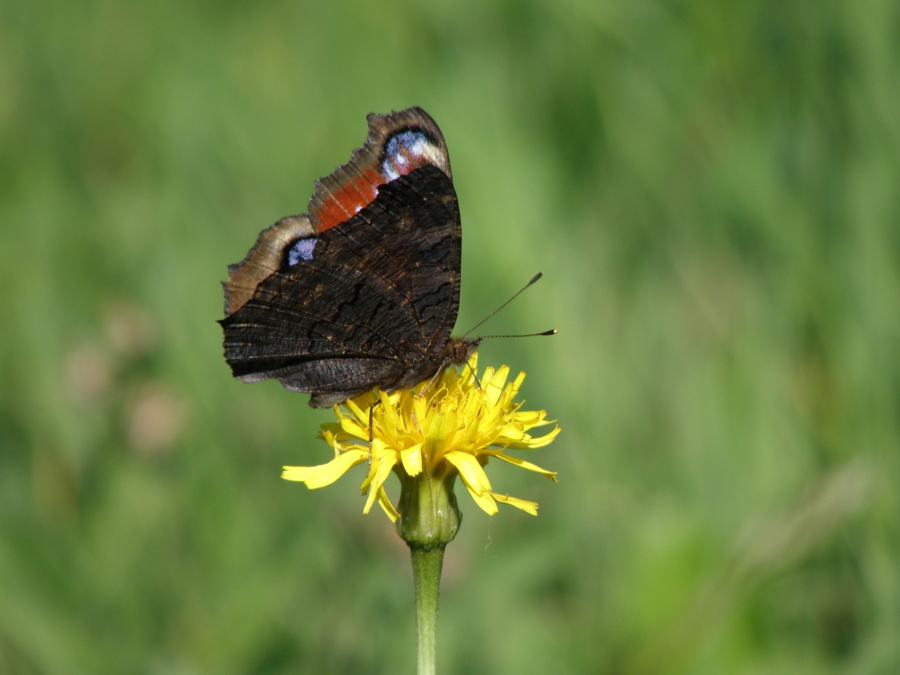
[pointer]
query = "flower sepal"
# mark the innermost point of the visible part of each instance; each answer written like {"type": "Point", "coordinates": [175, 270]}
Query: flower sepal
{"type": "Point", "coordinates": [429, 514]}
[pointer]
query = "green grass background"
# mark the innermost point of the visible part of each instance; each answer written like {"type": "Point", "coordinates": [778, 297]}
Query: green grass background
{"type": "Point", "coordinates": [711, 190]}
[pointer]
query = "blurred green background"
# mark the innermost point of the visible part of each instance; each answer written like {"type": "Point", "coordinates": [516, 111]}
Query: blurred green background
{"type": "Point", "coordinates": [712, 192]}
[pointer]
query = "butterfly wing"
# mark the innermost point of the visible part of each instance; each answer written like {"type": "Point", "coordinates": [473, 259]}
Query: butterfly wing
{"type": "Point", "coordinates": [336, 308]}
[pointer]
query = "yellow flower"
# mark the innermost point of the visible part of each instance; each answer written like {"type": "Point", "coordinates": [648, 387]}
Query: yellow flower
{"type": "Point", "coordinates": [450, 428]}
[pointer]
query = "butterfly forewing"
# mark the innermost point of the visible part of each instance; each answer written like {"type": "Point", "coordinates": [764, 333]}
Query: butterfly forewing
{"type": "Point", "coordinates": [369, 301]}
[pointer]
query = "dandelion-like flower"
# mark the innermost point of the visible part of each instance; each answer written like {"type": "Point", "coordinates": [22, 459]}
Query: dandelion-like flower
{"type": "Point", "coordinates": [430, 435]}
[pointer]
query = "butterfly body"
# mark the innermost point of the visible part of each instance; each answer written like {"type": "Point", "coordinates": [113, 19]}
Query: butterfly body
{"type": "Point", "coordinates": [362, 291]}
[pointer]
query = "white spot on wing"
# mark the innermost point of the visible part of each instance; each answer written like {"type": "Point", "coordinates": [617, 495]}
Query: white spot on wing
{"type": "Point", "coordinates": [407, 148]}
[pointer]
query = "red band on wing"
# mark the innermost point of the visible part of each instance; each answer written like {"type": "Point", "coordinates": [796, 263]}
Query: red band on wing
{"type": "Point", "coordinates": [345, 200]}
{"type": "Point", "coordinates": [397, 144]}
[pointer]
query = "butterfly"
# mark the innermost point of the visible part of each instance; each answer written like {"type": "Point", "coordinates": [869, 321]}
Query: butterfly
{"type": "Point", "coordinates": [363, 290]}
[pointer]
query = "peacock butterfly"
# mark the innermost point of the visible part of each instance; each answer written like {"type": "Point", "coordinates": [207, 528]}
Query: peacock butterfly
{"type": "Point", "coordinates": [363, 290]}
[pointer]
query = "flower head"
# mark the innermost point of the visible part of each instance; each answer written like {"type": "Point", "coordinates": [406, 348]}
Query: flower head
{"type": "Point", "coordinates": [449, 428]}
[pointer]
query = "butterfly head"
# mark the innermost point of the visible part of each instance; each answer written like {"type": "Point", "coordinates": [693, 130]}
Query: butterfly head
{"type": "Point", "coordinates": [458, 350]}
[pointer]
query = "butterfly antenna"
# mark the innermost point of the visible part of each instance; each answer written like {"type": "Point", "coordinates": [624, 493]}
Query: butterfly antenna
{"type": "Point", "coordinates": [546, 332]}
{"type": "Point", "coordinates": [480, 323]}
{"type": "Point", "coordinates": [469, 365]}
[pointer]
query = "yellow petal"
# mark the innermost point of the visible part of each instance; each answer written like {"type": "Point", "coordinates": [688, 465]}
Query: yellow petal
{"type": "Point", "coordinates": [381, 454]}
{"type": "Point", "coordinates": [354, 428]}
{"type": "Point", "coordinates": [375, 480]}
{"type": "Point", "coordinates": [412, 459]}
{"type": "Point", "coordinates": [435, 435]}
{"type": "Point", "coordinates": [476, 488]}
{"type": "Point", "coordinates": [470, 471]}
{"type": "Point", "coordinates": [467, 437]}
{"type": "Point", "coordinates": [355, 409]}
{"type": "Point", "coordinates": [484, 501]}
{"type": "Point", "coordinates": [421, 408]}
{"type": "Point", "coordinates": [515, 461]}
{"type": "Point", "coordinates": [527, 507]}
{"type": "Point", "coordinates": [386, 505]}
{"type": "Point", "coordinates": [513, 431]}
{"type": "Point", "coordinates": [530, 443]}
{"type": "Point", "coordinates": [493, 386]}
{"type": "Point", "coordinates": [329, 438]}
{"type": "Point", "coordinates": [325, 474]}
{"type": "Point", "coordinates": [532, 418]}
{"type": "Point", "coordinates": [517, 383]}
{"type": "Point", "coordinates": [389, 415]}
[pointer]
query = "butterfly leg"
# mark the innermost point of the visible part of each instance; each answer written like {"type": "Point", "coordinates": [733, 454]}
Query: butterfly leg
{"type": "Point", "coordinates": [474, 375]}
{"type": "Point", "coordinates": [371, 409]}
{"type": "Point", "coordinates": [440, 371]}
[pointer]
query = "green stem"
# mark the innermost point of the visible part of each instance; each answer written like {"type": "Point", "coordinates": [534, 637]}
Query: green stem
{"type": "Point", "coordinates": [427, 563]}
